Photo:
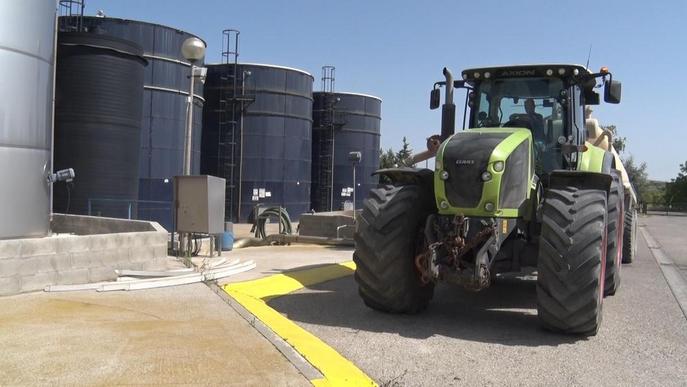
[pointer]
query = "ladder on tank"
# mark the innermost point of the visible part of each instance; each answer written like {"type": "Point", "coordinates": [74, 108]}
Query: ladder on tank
{"type": "Point", "coordinates": [233, 100]}
{"type": "Point", "coordinates": [325, 145]}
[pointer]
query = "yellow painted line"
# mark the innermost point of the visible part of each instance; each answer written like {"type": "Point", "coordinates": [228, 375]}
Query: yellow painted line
{"type": "Point", "coordinates": [281, 284]}
{"type": "Point", "coordinates": [253, 295]}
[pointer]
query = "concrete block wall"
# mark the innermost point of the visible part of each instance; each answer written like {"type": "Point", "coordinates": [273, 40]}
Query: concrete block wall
{"type": "Point", "coordinates": [325, 224]}
{"type": "Point", "coordinates": [92, 255]}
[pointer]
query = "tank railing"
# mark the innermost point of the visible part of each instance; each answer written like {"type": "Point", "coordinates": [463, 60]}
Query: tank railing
{"type": "Point", "coordinates": [128, 207]}
{"type": "Point", "coordinates": [72, 15]}
{"type": "Point", "coordinates": [230, 37]}
{"type": "Point", "coordinates": [328, 78]}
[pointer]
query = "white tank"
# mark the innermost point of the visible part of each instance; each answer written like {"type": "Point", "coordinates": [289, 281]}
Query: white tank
{"type": "Point", "coordinates": [27, 40]}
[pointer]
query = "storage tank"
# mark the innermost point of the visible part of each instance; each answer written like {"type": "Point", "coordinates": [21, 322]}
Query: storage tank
{"type": "Point", "coordinates": [27, 39]}
{"type": "Point", "coordinates": [98, 102]}
{"type": "Point", "coordinates": [166, 84]}
{"type": "Point", "coordinates": [271, 164]}
{"type": "Point", "coordinates": [353, 122]}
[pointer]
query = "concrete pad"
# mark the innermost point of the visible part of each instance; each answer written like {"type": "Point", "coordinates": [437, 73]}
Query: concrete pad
{"type": "Point", "coordinates": [180, 335]}
{"type": "Point", "coordinates": [276, 259]}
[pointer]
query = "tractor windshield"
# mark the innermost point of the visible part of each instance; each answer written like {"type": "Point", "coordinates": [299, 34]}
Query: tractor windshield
{"type": "Point", "coordinates": [532, 103]}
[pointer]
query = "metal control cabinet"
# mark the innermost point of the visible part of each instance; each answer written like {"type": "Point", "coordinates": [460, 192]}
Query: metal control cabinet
{"type": "Point", "coordinates": [199, 204]}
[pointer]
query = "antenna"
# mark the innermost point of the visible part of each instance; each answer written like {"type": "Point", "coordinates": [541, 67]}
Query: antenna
{"type": "Point", "coordinates": [589, 55]}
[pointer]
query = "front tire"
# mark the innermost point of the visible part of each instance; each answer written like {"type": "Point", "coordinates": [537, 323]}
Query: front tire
{"type": "Point", "coordinates": [386, 242]}
{"type": "Point", "coordinates": [572, 252]}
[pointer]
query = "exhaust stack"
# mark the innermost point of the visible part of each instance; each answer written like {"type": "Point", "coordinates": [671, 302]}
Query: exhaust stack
{"type": "Point", "coordinates": [448, 111]}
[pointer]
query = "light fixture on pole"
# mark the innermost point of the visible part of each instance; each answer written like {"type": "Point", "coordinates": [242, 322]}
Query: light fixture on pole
{"type": "Point", "coordinates": [354, 158]}
{"type": "Point", "coordinates": [193, 49]}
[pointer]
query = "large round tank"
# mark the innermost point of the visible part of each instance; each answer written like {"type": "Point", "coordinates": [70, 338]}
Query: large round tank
{"type": "Point", "coordinates": [98, 101]}
{"type": "Point", "coordinates": [27, 39]}
{"type": "Point", "coordinates": [355, 122]}
{"type": "Point", "coordinates": [166, 84]}
{"type": "Point", "coordinates": [272, 164]}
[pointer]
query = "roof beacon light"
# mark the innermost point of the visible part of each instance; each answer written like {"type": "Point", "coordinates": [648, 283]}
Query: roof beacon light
{"type": "Point", "coordinates": [604, 70]}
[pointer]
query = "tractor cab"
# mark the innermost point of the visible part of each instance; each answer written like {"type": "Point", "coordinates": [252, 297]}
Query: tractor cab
{"type": "Point", "coordinates": [546, 99]}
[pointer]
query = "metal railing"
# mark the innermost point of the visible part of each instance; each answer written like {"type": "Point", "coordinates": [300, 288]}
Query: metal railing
{"type": "Point", "coordinates": [667, 209]}
{"type": "Point", "coordinates": [156, 210]}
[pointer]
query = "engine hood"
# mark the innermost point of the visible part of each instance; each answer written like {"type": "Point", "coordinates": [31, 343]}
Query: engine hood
{"type": "Point", "coordinates": [484, 172]}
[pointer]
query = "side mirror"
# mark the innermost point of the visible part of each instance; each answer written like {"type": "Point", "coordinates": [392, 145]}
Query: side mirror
{"type": "Point", "coordinates": [612, 91]}
{"type": "Point", "coordinates": [434, 99]}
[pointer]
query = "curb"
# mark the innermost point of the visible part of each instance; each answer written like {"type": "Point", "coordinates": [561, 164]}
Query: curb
{"type": "Point", "coordinates": [676, 281]}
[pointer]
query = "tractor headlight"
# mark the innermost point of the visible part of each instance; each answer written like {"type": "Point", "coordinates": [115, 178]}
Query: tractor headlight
{"type": "Point", "coordinates": [486, 176]}
{"type": "Point", "coordinates": [498, 166]}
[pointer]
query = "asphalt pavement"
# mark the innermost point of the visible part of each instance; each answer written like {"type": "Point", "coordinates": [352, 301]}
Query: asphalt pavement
{"type": "Point", "coordinates": [493, 337]}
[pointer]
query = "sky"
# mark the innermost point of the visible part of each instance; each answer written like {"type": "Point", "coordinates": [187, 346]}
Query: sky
{"type": "Point", "coordinates": [396, 50]}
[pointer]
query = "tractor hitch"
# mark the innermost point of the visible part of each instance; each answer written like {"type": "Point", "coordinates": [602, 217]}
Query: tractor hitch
{"type": "Point", "coordinates": [454, 254]}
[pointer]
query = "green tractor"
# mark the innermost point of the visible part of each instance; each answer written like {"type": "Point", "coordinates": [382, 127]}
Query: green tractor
{"type": "Point", "coordinates": [520, 187]}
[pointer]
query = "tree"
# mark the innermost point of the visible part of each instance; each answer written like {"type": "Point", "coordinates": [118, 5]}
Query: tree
{"type": "Point", "coordinates": [391, 159]}
{"type": "Point", "coordinates": [387, 159]}
{"type": "Point", "coordinates": [676, 190]}
{"type": "Point", "coordinates": [648, 191]}
{"type": "Point", "coordinates": [402, 158]}
{"type": "Point", "coordinates": [638, 176]}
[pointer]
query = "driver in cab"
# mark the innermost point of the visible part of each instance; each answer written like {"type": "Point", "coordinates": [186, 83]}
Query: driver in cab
{"type": "Point", "coordinates": [535, 119]}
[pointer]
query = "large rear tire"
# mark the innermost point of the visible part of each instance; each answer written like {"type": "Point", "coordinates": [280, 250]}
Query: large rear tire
{"type": "Point", "coordinates": [387, 239]}
{"type": "Point", "coordinates": [615, 236]}
{"type": "Point", "coordinates": [630, 235]}
{"type": "Point", "coordinates": [571, 262]}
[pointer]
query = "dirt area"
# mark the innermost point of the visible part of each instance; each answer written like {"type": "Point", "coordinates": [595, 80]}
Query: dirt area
{"type": "Point", "coordinates": [180, 335]}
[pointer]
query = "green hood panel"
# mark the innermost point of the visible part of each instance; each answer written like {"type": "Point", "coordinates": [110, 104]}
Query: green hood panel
{"type": "Point", "coordinates": [463, 158]}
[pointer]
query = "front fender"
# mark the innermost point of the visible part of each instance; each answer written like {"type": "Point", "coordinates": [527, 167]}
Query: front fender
{"type": "Point", "coordinates": [580, 179]}
{"type": "Point", "coordinates": [596, 159]}
{"type": "Point", "coordinates": [407, 175]}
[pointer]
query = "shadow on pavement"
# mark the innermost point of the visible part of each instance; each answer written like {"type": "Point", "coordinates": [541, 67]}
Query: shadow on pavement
{"type": "Point", "coordinates": [506, 313]}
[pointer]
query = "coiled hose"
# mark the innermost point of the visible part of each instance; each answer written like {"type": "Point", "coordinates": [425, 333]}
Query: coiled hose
{"type": "Point", "coordinates": [285, 221]}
